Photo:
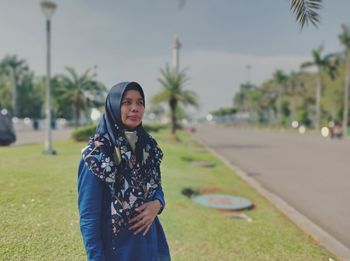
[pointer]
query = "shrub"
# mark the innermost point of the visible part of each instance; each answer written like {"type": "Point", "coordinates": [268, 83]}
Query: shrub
{"type": "Point", "coordinates": [154, 127]}
{"type": "Point", "coordinates": [83, 133]}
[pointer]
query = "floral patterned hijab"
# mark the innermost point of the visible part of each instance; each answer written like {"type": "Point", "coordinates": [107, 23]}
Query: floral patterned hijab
{"type": "Point", "coordinates": [131, 175]}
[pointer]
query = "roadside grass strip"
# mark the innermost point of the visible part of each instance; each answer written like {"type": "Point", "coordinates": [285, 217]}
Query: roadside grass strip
{"type": "Point", "coordinates": [40, 221]}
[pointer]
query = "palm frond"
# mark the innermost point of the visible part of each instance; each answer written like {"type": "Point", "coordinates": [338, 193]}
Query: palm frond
{"type": "Point", "coordinates": [162, 96]}
{"type": "Point", "coordinates": [329, 57]}
{"type": "Point", "coordinates": [306, 11]}
{"type": "Point", "coordinates": [307, 64]}
{"type": "Point", "coordinates": [344, 37]}
{"type": "Point", "coordinates": [188, 98]}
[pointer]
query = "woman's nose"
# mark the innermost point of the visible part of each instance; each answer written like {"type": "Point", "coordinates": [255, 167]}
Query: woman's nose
{"type": "Point", "coordinates": [134, 107]}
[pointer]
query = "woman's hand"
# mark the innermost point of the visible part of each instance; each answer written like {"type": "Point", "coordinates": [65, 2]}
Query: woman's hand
{"type": "Point", "coordinates": [147, 213]}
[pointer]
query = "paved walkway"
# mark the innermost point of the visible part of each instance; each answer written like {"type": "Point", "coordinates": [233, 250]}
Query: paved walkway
{"type": "Point", "coordinates": [310, 173]}
{"type": "Point", "coordinates": [29, 136]}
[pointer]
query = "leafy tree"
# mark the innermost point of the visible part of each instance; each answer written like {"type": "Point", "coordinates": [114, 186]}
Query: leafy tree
{"type": "Point", "coordinates": [327, 64]}
{"type": "Point", "coordinates": [257, 105]}
{"type": "Point", "coordinates": [285, 112]}
{"type": "Point", "coordinates": [270, 97]}
{"type": "Point", "coordinates": [240, 100]}
{"type": "Point", "coordinates": [77, 92]}
{"type": "Point", "coordinates": [302, 115]}
{"type": "Point", "coordinates": [344, 38]}
{"type": "Point", "coordinates": [332, 103]}
{"type": "Point", "coordinates": [20, 91]}
{"type": "Point", "coordinates": [173, 93]}
{"type": "Point", "coordinates": [5, 89]}
{"type": "Point", "coordinates": [14, 68]}
{"type": "Point", "coordinates": [31, 97]}
{"type": "Point", "coordinates": [224, 111]}
{"type": "Point", "coordinates": [255, 101]}
{"type": "Point", "coordinates": [280, 79]}
{"type": "Point", "coordinates": [295, 88]}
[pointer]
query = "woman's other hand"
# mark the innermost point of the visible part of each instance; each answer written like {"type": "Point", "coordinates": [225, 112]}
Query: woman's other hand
{"type": "Point", "coordinates": [147, 213]}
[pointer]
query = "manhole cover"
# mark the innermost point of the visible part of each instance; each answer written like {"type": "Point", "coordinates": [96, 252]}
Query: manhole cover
{"type": "Point", "coordinates": [222, 201]}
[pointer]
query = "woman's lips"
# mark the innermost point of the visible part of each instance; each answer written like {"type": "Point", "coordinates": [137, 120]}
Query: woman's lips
{"type": "Point", "coordinates": [134, 118]}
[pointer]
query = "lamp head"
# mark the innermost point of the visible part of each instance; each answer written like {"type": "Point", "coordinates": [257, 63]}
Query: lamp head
{"type": "Point", "coordinates": [48, 8]}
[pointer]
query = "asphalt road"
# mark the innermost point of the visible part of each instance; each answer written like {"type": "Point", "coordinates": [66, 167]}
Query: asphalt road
{"type": "Point", "coordinates": [310, 173]}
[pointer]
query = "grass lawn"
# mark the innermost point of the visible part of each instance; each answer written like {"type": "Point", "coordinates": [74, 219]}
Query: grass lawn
{"type": "Point", "coordinates": [39, 217]}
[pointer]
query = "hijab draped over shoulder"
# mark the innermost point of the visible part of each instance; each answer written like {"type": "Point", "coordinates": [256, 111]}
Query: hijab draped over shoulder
{"type": "Point", "coordinates": [132, 175]}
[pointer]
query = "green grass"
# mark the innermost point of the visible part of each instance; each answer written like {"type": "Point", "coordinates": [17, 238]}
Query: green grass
{"type": "Point", "coordinates": [39, 218]}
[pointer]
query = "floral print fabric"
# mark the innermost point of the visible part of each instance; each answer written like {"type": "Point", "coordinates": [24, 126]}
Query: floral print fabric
{"type": "Point", "coordinates": [131, 180]}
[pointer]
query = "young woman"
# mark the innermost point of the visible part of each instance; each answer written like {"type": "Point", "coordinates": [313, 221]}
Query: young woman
{"type": "Point", "coordinates": [119, 184]}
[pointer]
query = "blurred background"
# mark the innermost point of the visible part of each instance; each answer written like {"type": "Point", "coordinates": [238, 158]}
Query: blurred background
{"type": "Point", "coordinates": [242, 58]}
{"type": "Point", "coordinates": [263, 84]}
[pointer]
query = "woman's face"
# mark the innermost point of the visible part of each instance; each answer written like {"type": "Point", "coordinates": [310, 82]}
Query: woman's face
{"type": "Point", "coordinates": [132, 109]}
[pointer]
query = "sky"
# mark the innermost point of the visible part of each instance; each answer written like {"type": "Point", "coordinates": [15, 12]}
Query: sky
{"type": "Point", "coordinates": [132, 40]}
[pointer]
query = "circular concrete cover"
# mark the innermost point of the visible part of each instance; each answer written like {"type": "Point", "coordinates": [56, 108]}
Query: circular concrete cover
{"type": "Point", "coordinates": [222, 201]}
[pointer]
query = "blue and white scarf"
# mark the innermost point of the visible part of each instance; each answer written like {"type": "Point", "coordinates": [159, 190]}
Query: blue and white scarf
{"type": "Point", "coordinates": [132, 176]}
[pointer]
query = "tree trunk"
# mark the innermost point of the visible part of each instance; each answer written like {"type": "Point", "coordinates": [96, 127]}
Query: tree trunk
{"type": "Point", "coordinates": [173, 104]}
{"type": "Point", "coordinates": [14, 92]}
{"type": "Point", "coordinates": [318, 100]}
{"type": "Point", "coordinates": [76, 116]}
{"type": "Point", "coordinates": [76, 105]}
{"type": "Point", "coordinates": [279, 109]}
{"type": "Point", "coordinates": [293, 102]}
{"type": "Point", "coordinates": [346, 95]}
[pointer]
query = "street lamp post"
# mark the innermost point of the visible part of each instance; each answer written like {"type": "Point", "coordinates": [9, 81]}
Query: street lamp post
{"type": "Point", "coordinates": [248, 72]}
{"type": "Point", "coordinates": [48, 9]}
{"type": "Point", "coordinates": [176, 54]}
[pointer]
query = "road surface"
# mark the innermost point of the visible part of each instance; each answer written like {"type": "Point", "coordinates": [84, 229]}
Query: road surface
{"type": "Point", "coordinates": [310, 173]}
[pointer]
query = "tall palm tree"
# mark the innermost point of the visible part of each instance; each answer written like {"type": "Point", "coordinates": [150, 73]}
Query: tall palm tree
{"type": "Point", "coordinates": [306, 11]}
{"type": "Point", "coordinates": [15, 69]}
{"type": "Point", "coordinates": [78, 91]}
{"type": "Point", "coordinates": [344, 38]}
{"type": "Point", "coordinates": [173, 92]}
{"type": "Point", "coordinates": [323, 64]}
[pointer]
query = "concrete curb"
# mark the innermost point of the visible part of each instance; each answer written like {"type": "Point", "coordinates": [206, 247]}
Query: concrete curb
{"type": "Point", "coordinates": [316, 232]}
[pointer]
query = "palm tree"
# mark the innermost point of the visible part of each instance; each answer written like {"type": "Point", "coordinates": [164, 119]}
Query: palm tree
{"type": "Point", "coordinates": [174, 93]}
{"type": "Point", "coordinates": [344, 38]}
{"type": "Point", "coordinates": [306, 11]}
{"type": "Point", "coordinates": [78, 91]}
{"type": "Point", "coordinates": [15, 69]}
{"type": "Point", "coordinates": [322, 63]}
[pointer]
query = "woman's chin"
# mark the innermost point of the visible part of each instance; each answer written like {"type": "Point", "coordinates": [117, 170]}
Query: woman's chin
{"type": "Point", "coordinates": [132, 125]}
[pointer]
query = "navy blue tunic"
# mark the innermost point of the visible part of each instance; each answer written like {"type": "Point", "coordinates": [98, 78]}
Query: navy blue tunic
{"type": "Point", "coordinates": [94, 201]}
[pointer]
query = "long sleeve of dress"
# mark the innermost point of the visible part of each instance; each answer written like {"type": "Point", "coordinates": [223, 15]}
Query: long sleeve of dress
{"type": "Point", "coordinates": [159, 195]}
{"type": "Point", "coordinates": [90, 194]}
